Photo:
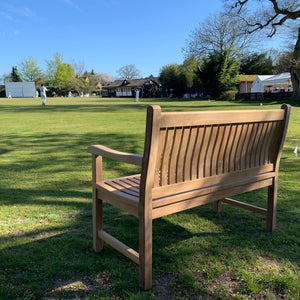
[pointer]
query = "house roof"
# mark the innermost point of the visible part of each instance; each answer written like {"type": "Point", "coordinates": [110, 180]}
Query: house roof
{"type": "Point", "coordinates": [263, 77]}
{"type": "Point", "coordinates": [283, 77]}
{"type": "Point", "coordinates": [131, 82]}
{"type": "Point", "coordinates": [115, 83]}
{"type": "Point", "coordinates": [249, 78]}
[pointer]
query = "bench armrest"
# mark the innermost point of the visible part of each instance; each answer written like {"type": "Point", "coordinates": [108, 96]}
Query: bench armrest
{"type": "Point", "coordinates": [135, 159]}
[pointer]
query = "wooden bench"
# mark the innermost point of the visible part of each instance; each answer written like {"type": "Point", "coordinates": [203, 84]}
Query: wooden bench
{"type": "Point", "coordinates": [190, 159]}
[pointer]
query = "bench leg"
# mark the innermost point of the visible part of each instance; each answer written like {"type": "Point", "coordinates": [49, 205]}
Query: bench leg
{"type": "Point", "coordinates": [272, 204]}
{"type": "Point", "coordinates": [97, 203]}
{"type": "Point", "coordinates": [145, 253]}
{"type": "Point", "coordinates": [217, 206]}
{"type": "Point", "coordinates": [97, 222]}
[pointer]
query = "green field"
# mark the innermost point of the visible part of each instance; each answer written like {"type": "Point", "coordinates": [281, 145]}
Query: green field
{"type": "Point", "coordinates": [46, 217]}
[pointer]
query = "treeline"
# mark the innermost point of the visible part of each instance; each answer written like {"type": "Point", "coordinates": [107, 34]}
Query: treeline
{"type": "Point", "coordinates": [220, 49]}
{"type": "Point", "coordinates": [60, 77]}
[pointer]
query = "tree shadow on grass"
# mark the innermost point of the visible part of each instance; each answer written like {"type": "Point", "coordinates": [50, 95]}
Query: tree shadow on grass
{"type": "Point", "coordinates": [59, 262]}
{"type": "Point", "coordinates": [55, 258]}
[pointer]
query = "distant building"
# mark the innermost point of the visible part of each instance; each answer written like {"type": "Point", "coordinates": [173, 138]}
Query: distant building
{"type": "Point", "coordinates": [265, 87]}
{"type": "Point", "coordinates": [99, 86]}
{"type": "Point", "coordinates": [272, 83]}
{"type": "Point", "coordinates": [147, 87]}
{"type": "Point", "coordinates": [245, 83]}
{"type": "Point", "coordinates": [20, 89]}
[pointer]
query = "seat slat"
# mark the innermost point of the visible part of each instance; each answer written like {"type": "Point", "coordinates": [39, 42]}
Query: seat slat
{"type": "Point", "coordinates": [126, 185]}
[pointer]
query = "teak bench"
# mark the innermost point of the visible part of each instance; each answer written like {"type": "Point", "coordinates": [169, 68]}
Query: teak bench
{"type": "Point", "coordinates": [190, 159]}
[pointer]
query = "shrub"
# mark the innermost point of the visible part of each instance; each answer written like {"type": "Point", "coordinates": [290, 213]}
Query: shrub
{"type": "Point", "coordinates": [228, 96]}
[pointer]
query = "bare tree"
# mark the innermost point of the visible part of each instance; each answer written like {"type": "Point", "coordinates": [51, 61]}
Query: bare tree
{"type": "Point", "coordinates": [217, 33]}
{"type": "Point", "coordinates": [78, 67]}
{"type": "Point", "coordinates": [269, 15]}
{"type": "Point", "coordinates": [129, 72]}
{"type": "Point", "coordinates": [102, 77]}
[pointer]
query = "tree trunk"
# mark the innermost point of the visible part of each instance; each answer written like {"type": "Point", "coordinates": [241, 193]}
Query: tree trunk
{"type": "Point", "coordinates": [295, 69]}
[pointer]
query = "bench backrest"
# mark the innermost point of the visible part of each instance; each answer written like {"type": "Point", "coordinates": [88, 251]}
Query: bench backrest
{"type": "Point", "coordinates": [210, 146]}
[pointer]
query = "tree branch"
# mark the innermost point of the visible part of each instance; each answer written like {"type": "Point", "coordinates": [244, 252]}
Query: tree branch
{"type": "Point", "coordinates": [286, 13]}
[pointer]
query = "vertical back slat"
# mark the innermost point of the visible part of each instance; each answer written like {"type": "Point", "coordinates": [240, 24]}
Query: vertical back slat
{"type": "Point", "coordinates": [203, 150]}
{"type": "Point", "coordinates": [210, 151]}
{"type": "Point", "coordinates": [257, 142]}
{"type": "Point", "coordinates": [195, 157]}
{"type": "Point", "coordinates": [234, 151]}
{"type": "Point", "coordinates": [266, 144]}
{"type": "Point", "coordinates": [271, 141]}
{"type": "Point", "coordinates": [189, 154]}
{"type": "Point", "coordinates": [276, 138]}
{"type": "Point", "coordinates": [164, 169]}
{"type": "Point", "coordinates": [198, 148]}
{"type": "Point", "coordinates": [221, 155]}
{"type": "Point", "coordinates": [161, 141]}
{"type": "Point", "coordinates": [244, 152]}
{"type": "Point", "coordinates": [261, 142]}
{"type": "Point", "coordinates": [181, 154]}
{"type": "Point", "coordinates": [250, 152]}
{"type": "Point", "coordinates": [216, 152]}
{"type": "Point", "coordinates": [174, 155]}
{"type": "Point", "coordinates": [228, 149]}
{"type": "Point", "coordinates": [238, 155]}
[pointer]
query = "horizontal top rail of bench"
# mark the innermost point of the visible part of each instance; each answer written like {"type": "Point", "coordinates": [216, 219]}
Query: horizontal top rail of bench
{"type": "Point", "coordinates": [175, 119]}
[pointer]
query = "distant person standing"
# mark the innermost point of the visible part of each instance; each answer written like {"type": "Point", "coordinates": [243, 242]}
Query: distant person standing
{"type": "Point", "coordinates": [43, 91]}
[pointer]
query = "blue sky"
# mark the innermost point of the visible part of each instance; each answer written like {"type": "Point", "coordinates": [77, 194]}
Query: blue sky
{"type": "Point", "coordinates": [104, 34]}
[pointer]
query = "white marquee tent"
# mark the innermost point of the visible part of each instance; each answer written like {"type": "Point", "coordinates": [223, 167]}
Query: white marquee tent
{"type": "Point", "coordinates": [265, 83]}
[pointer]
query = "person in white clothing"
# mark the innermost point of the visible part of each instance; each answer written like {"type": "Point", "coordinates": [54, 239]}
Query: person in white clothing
{"type": "Point", "coordinates": [43, 91]}
{"type": "Point", "coordinates": [137, 93]}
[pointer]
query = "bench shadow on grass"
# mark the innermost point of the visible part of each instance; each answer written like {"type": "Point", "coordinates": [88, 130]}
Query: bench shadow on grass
{"type": "Point", "coordinates": [57, 260]}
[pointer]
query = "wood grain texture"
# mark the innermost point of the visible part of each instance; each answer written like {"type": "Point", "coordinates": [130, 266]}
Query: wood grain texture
{"type": "Point", "coordinates": [190, 159]}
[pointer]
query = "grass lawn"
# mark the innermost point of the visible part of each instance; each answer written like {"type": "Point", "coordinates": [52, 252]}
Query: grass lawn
{"type": "Point", "coordinates": [46, 217]}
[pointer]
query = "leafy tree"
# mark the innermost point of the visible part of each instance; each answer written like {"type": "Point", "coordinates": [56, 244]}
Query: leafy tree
{"type": "Point", "coordinates": [64, 74]}
{"type": "Point", "coordinates": [52, 67]}
{"type": "Point", "coordinates": [268, 15]}
{"type": "Point", "coordinates": [14, 75]}
{"type": "Point", "coordinates": [219, 72]}
{"type": "Point", "coordinates": [77, 85]}
{"type": "Point", "coordinates": [173, 77]}
{"type": "Point", "coordinates": [30, 70]}
{"type": "Point", "coordinates": [59, 73]}
{"type": "Point", "coordinates": [129, 72]}
{"type": "Point", "coordinates": [189, 68]}
{"type": "Point", "coordinates": [256, 64]}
